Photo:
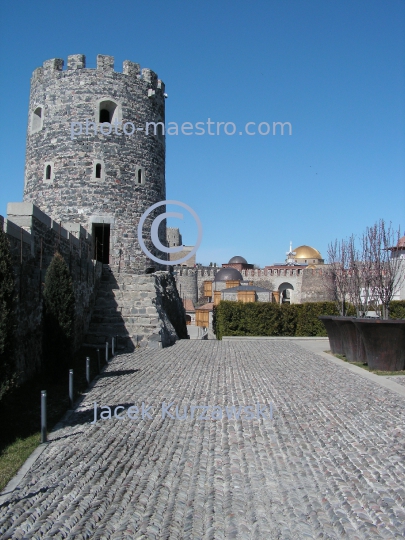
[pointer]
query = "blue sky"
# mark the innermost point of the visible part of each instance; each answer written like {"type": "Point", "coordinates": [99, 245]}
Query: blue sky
{"type": "Point", "coordinates": [334, 69]}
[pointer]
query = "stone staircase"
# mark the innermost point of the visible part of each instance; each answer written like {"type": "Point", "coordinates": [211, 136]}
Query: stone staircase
{"type": "Point", "coordinates": [132, 307]}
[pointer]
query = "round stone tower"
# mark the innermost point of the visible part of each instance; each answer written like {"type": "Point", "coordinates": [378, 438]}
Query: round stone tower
{"type": "Point", "coordinates": [96, 153]}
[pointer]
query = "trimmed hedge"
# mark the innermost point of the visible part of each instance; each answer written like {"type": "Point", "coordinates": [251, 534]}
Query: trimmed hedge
{"type": "Point", "coordinates": [269, 319]}
{"type": "Point", "coordinates": [397, 309]}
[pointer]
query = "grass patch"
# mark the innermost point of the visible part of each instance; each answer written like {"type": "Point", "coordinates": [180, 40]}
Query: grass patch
{"type": "Point", "coordinates": [365, 366]}
{"type": "Point", "coordinates": [20, 411]}
{"type": "Point", "coordinates": [14, 456]}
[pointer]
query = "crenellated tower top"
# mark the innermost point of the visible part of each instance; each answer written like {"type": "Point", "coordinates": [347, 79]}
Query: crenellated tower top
{"type": "Point", "coordinates": [102, 179]}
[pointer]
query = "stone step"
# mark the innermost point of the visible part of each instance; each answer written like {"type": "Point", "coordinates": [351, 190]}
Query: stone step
{"type": "Point", "coordinates": [108, 319]}
{"type": "Point", "coordinates": [124, 319]}
{"type": "Point", "coordinates": [124, 312]}
{"type": "Point", "coordinates": [100, 340]}
{"type": "Point", "coordinates": [124, 306]}
{"type": "Point", "coordinates": [108, 327]}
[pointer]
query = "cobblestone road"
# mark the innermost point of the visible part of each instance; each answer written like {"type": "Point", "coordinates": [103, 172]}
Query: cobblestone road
{"type": "Point", "coordinates": [331, 463]}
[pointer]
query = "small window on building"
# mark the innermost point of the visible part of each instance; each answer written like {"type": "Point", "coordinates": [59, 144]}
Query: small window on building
{"type": "Point", "coordinates": [108, 111]}
{"type": "Point", "coordinates": [98, 170]}
{"type": "Point", "coordinates": [36, 120]}
{"type": "Point", "coordinates": [140, 175]}
{"type": "Point", "coordinates": [48, 172]}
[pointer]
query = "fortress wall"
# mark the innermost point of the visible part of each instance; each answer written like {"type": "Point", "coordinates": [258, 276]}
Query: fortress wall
{"type": "Point", "coordinates": [205, 273]}
{"type": "Point", "coordinates": [34, 238]}
{"type": "Point", "coordinates": [314, 287]}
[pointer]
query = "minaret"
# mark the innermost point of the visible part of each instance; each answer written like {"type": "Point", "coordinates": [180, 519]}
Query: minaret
{"type": "Point", "coordinates": [290, 254]}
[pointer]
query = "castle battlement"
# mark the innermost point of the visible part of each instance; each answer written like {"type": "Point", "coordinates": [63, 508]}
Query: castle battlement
{"type": "Point", "coordinates": [105, 64]}
{"type": "Point", "coordinates": [103, 183]}
{"type": "Point", "coordinates": [185, 271]}
{"type": "Point", "coordinates": [27, 223]}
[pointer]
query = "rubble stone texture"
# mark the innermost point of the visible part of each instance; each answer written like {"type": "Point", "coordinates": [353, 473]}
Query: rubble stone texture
{"type": "Point", "coordinates": [330, 465]}
{"type": "Point", "coordinates": [139, 310]}
{"type": "Point", "coordinates": [132, 167]}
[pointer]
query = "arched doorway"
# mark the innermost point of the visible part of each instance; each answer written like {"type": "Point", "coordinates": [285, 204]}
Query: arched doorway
{"type": "Point", "coordinates": [285, 293]}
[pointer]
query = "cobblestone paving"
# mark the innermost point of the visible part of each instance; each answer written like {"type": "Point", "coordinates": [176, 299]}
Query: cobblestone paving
{"type": "Point", "coordinates": [331, 463]}
{"type": "Point", "coordinates": [400, 379]}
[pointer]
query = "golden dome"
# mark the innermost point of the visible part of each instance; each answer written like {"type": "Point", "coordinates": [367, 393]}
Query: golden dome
{"type": "Point", "coordinates": [307, 252]}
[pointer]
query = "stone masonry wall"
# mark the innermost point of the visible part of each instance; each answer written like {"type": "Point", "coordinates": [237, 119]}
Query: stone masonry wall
{"type": "Point", "coordinates": [314, 288]}
{"type": "Point", "coordinates": [186, 281]}
{"type": "Point", "coordinates": [308, 284]}
{"type": "Point", "coordinates": [132, 167]}
{"type": "Point", "coordinates": [141, 310]}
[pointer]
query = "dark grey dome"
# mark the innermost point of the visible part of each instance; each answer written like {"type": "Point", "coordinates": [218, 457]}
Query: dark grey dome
{"type": "Point", "coordinates": [228, 274]}
{"type": "Point", "coordinates": [238, 259]}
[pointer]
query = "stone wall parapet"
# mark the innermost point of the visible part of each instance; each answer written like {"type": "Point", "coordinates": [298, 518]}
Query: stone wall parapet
{"type": "Point", "coordinates": [33, 242]}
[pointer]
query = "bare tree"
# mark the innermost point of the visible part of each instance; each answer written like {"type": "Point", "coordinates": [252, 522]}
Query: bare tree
{"type": "Point", "coordinates": [361, 274]}
{"type": "Point", "coordinates": [355, 276]}
{"type": "Point", "coordinates": [368, 274]}
{"type": "Point", "coordinates": [337, 275]}
{"type": "Point", "coordinates": [387, 274]}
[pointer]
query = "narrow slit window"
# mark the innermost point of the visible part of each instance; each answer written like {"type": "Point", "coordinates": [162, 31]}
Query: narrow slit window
{"type": "Point", "coordinates": [48, 172]}
{"type": "Point", "coordinates": [139, 176]}
{"type": "Point", "coordinates": [98, 170]}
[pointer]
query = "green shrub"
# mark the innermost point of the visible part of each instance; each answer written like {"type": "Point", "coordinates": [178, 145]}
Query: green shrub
{"type": "Point", "coordinates": [308, 323]}
{"type": "Point", "coordinates": [7, 317]}
{"type": "Point", "coordinates": [59, 316]}
{"type": "Point", "coordinates": [397, 309]}
{"type": "Point", "coordinates": [269, 319]}
{"type": "Point", "coordinates": [289, 314]}
{"type": "Point", "coordinates": [247, 319]}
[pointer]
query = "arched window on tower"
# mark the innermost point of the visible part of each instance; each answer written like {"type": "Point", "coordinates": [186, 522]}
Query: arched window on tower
{"type": "Point", "coordinates": [108, 111]}
{"type": "Point", "coordinates": [48, 172]}
{"type": "Point", "coordinates": [98, 170]}
{"type": "Point", "coordinates": [36, 120]}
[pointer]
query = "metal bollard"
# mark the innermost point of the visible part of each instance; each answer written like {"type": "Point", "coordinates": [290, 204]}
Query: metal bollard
{"type": "Point", "coordinates": [71, 388]}
{"type": "Point", "coordinates": [88, 370]}
{"type": "Point", "coordinates": [113, 347]}
{"type": "Point", "coordinates": [98, 360]}
{"type": "Point", "coordinates": [106, 351]}
{"type": "Point", "coordinates": [43, 417]}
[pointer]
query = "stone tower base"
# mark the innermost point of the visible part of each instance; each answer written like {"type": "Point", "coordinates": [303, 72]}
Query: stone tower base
{"type": "Point", "coordinates": [140, 309]}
